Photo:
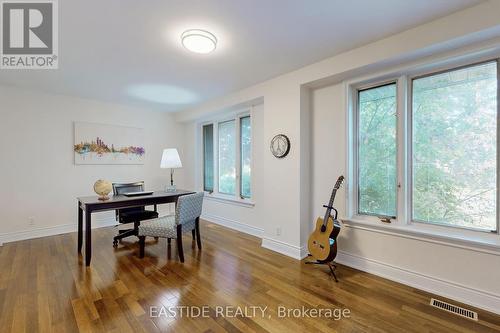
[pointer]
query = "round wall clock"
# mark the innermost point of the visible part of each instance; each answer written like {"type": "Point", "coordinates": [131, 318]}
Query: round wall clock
{"type": "Point", "coordinates": [280, 146]}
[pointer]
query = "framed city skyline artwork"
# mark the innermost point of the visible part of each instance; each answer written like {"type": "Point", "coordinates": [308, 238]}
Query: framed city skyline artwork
{"type": "Point", "coordinates": [108, 144]}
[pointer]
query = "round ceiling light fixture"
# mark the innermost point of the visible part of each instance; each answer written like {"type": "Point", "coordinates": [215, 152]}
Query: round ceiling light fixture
{"type": "Point", "coordinates": [199, 41]}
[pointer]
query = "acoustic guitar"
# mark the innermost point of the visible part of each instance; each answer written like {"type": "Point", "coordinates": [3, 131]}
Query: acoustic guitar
{"type": "Point", "coordinates": [322, 242]}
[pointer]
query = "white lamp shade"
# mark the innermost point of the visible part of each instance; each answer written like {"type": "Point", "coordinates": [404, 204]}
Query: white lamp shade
{"type": "Point", "coordinates": [170, 159]}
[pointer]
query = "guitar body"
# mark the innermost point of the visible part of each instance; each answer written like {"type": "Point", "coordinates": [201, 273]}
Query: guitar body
{"type": "Point", "coordinates": [322, 243]}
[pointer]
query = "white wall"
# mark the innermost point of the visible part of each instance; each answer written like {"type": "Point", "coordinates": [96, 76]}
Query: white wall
{"type": "Point", "coordinates": [285, 189]}
{"type": "Point", "coordinates": [37, 174]}
{"type": "Point", "coordinates": [328, 147]}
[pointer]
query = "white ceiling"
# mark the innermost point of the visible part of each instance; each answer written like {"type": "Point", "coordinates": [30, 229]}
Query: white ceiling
{"type": "Point", "coordinates": [126, 50]}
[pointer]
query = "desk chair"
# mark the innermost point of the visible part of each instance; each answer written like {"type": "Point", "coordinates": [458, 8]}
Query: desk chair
{"type": "Point", "coordinates": [187, 218]}
{"type": "Point", "coordinates": [131, 215]}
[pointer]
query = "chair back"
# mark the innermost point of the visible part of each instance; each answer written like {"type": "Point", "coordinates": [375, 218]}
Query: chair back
{"type": "Point", "coordinates": [120, 188]}
{"type": "Point", "coordinates": [188, 208]}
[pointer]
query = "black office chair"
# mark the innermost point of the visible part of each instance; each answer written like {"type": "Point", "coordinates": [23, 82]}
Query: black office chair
{"type": "Point", "coordinates": [131, 215]}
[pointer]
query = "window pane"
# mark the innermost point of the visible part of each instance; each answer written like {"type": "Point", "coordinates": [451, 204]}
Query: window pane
{"type": "Point", "coordinates": [246, 153]}
{"type": "Point", "coordinates": [377, 151]}
{"type": "Point", "coordinates": [227, 157]}
{"type": "Point", "coordinates": [454, 147]}
{"type": "Point", "coordinates": [208, 158]}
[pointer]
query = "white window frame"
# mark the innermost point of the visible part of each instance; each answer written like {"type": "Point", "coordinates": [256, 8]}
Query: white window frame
{"type": "Point", "coordinates": [409, 133]}
{"type": "Point", "coordinates": [403, 223]}
{"type": "Point", "coordinates": [355, 103]}
{"type": "Point", "coordinates": [216, 195]}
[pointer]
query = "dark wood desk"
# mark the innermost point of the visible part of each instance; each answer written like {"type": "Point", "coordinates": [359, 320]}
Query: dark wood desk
{"type": "Point", "coordinates": [92, 204]}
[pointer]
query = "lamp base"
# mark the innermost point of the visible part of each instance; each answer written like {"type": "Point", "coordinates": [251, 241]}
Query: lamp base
{"type": "Point", "coordinates": [170, 188]}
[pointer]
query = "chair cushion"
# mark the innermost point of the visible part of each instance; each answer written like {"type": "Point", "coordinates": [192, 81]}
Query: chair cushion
{"type": "Point", "coordinates": [128, 217]}
{"type": "Point", "coordinates": [164, 226]}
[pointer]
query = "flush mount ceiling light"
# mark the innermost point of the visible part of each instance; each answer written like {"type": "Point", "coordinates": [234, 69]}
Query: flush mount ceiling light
{"type": "Point", "coordinates": [199, 41]}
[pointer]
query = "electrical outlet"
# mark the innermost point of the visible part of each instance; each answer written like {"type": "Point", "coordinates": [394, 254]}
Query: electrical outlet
{"type": "Point", "coordinates": [31, 221]}
{"type": "Point", "coordinates": [278, 231]}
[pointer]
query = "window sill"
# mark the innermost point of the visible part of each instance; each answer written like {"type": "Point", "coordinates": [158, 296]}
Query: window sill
{"type": "Point", "coordinates": [229, 200]}
{"type": "Point", "coordinates": [476, 241]}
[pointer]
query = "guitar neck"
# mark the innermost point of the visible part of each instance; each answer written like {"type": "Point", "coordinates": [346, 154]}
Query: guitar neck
{"type": "Point", "coordinates": [332, 198]}
{"type": "Point", "coordinates": [330, 204]}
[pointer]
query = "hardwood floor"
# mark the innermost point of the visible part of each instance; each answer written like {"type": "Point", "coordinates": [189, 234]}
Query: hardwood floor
{"type": "Point", "coordinates": [45, 287]}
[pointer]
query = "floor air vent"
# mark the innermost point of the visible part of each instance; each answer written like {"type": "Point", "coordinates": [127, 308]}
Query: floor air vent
{"type": "Point", "coordinates": [454, 309]}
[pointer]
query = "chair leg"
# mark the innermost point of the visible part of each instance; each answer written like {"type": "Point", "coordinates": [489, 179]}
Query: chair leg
{"type": "Point", "coordinates": [179, 242]}
{"type": "Point", "coordinates": [142, 244]}
{"type": "Point", "coordinates": [194, 236]}
{"type": "Point", "coordinates": [121, 235]}
{"type": "Point", "coordinates": [197, 228]}
{"type": "Point", "coordinates": [169, 240]}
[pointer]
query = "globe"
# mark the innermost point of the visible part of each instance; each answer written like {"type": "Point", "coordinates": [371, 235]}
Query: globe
{"type": "Point", "coordinates": [103, 188]}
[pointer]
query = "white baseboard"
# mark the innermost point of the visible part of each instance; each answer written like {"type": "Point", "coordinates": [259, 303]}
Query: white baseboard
{"type": "Point", "coordinates": [98, 221]}
{"type": "Point", "coordinates": [304, 252]}
{"type": "Point", "coordinates": [232, 224]}
{"type": "Point", "coordinates": [51, 231]}
{"type": "Point", "coordinates": [296, 252]}
{"type": "Point", "coordinates": [293, 251]}
{"type": "Point", "coordinates": [478, 298]}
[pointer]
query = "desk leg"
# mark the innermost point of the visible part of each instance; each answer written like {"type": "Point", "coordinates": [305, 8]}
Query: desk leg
{"type": "Point", "coordinates": [88, 239]}
{"type": "Point", "coordinates": [80, 228]}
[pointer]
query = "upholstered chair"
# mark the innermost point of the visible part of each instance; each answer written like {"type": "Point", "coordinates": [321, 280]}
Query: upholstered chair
{"type": "Point", "coordinates": [186, 218]}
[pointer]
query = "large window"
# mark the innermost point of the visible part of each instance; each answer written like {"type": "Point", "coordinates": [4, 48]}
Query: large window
{"type": "Point", "coordinates": [454, 121]}
{"type": "Point", "coordinates": [377, 150]}
{"type": "Point", "coordinates": [425, 148]}
{"type": "Point", "coordinates": [227, 170]}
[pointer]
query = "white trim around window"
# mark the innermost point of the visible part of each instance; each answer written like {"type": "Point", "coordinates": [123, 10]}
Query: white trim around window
{"type": "Point", "coordinates": [403, 224]}
{"type": "Point", "coordinates": [236, 198]}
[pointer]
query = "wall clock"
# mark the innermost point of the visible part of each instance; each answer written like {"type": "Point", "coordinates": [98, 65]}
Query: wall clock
{"type": "Point", "coordinates": [280, 146]}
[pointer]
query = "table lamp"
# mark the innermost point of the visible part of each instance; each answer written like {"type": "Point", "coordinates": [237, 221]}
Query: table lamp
{"type": "Point", "coordinates": [170, 160]}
